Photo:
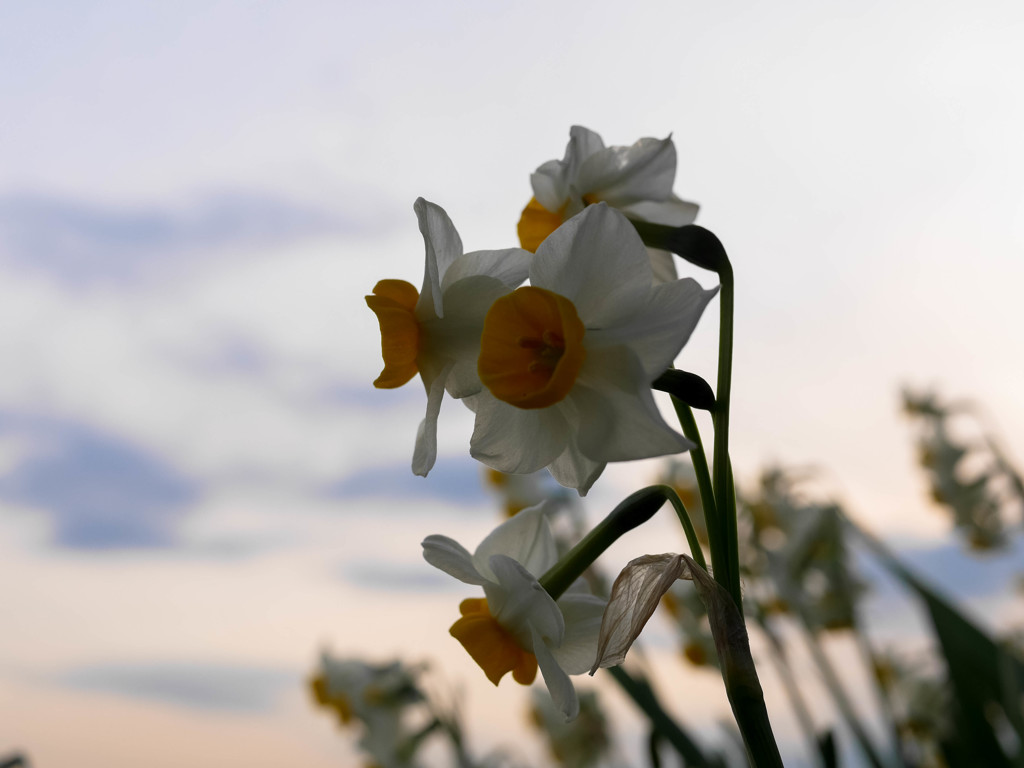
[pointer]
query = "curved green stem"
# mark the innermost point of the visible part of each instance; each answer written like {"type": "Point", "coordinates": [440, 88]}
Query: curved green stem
{"type": "Point", "coordinates": [684, 518]}
{"type": "Point", "coordinates": [634, 510]}
{"type": "Point", "coordinates": [729, 576]}
{"type": "Point", "coordinates": [700, 465]}
{"type": "Point", "coordinates": [701, 247]}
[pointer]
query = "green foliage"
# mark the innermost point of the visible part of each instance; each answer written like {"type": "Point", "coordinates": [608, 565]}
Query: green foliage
{"type": "Point", "coordinates": [986, 678]}
{"type": "Point", "coordinates": [968, 473]}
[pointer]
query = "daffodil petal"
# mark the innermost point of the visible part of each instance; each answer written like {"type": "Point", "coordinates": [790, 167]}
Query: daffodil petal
{"type": "Point", "coordinates": [510, 266]}
{"type": "Point", "coordinates": [672, 212]}
{"type": "Point", "coordinates": [582, 614]}
{"type": "Point", "coordinates": [382, 735]}
{"type": "Point", "coordinates": [458, 335]}
{"type": "Point", "coordinates": [515, 440]}
{"type": "Point", "coordinates": [583, 144]}
{"type": "Point", "coordinates": [425, 452]}
{"type": "Point", "coordinates": [598, 262]}
{"type": "Point", "coordinates": [619, 420]}
{"type": "Point", "coordinates": [451, 557]}
{"type": "Point", "coordinates": [517, 600]}
{"type": "Point", "coordinates": [626, 175]}
{"type": "Point", "coordinates": [345, 677]}
{"type": "Point", "coordinates": [549, 185]}
{"type": "Point", "coordinates": [662, 327]}
{"type": "Point", "coordinates": [559, 685]}
{"type": "Point", "coordinates": [443, 246]}
{"type": "Point", "coordinates": [574, 470]}
{"type": "Point", "coordinates": [525, 537]}
{"type": "Point", "coordinates": [663, 265]}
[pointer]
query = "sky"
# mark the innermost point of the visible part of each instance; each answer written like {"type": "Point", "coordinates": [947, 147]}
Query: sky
{"type": "Point", "coordinates": [199, 487]}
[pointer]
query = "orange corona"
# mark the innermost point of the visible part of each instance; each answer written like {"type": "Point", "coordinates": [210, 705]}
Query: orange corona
{"type": "Point", "coordinates": [531, 348]}
{"type": "Point", "coordinates": [394, 303]}
{"type": "Point", "coordinates": [491, 645]}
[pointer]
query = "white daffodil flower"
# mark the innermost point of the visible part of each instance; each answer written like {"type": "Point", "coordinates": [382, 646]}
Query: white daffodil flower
{"type": "Point", "coordinates": [637, 180]}
{"type": "Point", "coordinates": [517, 626]}
{"type": "Point", "coordinates": [436, 332]}
{"type": "Point", "coordinates": [376, 696]}
{"type": "Point", "coordinates": [567, 362]}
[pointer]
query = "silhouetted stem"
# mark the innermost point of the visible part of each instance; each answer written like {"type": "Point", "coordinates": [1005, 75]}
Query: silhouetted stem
{"type": "Point", "coordinates": [635, 509]}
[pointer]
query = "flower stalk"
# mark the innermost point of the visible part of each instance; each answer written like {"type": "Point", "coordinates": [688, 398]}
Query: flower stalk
{"type": "Point", "coordinates": [725, 496]}
{"type": "Point", "coordinates": [721, 594]}
{"type": "Point", "coordinates": [702, 248]}
{"type": "Point", "coordinates": [700, 467]}
{"type": "Point", "coordinates": [634, 510]}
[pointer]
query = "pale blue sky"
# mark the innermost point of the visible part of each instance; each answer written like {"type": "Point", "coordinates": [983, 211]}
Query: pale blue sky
{"type": "Point", "coordinates": [194, 197]}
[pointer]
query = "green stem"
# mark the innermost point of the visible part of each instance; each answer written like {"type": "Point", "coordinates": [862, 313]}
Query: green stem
{"type": "Point", "coordinates": [751, 715]}
{"type": "Point", "coordinates": [732, 536]}
{"type": "Point", "coordinates": [700, 469]}
{"type": "Point", "coordinates": [796, 699]}
{"type": "Point", "coordinates": [653, 743]}
{"type": "Point", "coordinates": [700, 247]}
{"type": "Point", "coordinates": [684, 518]}
{"type": "Point", "coordinates": [739, 674]}
{"type": "Point", "coordinates": [729, 576]}
{"type": "Point", "coordinates": [635, 509]}
{"type": "Point", "coordinates": [691, 242]}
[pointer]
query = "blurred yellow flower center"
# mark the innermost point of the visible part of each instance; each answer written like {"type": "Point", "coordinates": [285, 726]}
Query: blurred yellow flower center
{"type": "Point", "coordinates": [531, 348]}
{"type": "Point", "coordinates": [394, 303]}
{"type": "Point", "coordinates": [499, 480]}
{"type": "Point", "coordinates": [495, 477]}
{"type": "Point", "coordinates": [490, 644]}
{"type": "Point", "coordinates": [671, 605]}
{"type": "Point", "coordinates": [536, 223]}
{"type": "Point", "coordinates": [335, 701]}
{"type": "Point", "coordinates": [695, 654]}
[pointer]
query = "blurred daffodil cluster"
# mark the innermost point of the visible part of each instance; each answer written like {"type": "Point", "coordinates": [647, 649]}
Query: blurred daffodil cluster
{"type": "Point", "coordinates": [968, 473]}
{"type": "Point", "coordinates": [380, 700]}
